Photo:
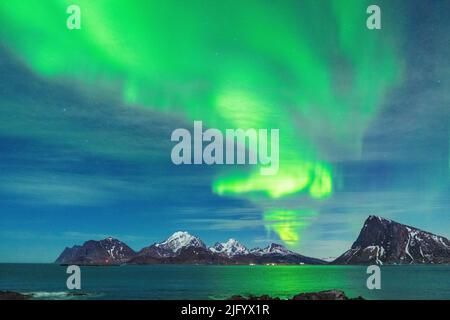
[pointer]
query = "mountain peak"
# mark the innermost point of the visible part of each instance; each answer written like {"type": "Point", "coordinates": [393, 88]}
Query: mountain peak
{"type": "Point", "coordinates": [273, 249]}
{"type": "Point", "coordinates": [179, 240]}
{"type": "Point", "coordinates": [179, 235]}
{"type": "Point", "coordinates": [180, 247]}
{"type": "Point", "coordinates": [110, 239]}
{"type": "Point", "coordinates": [230, 248]}
{"type": "Point", "coordinates": [233, 243]}
{"type": "Point", "coordinates": [92, 252]}
{"type": "Point", "coordinates": [277, 248]}
{"type": "Point", "coordinates": [383, 241]}
{"type": "Point", "coordinates": [377, 218]}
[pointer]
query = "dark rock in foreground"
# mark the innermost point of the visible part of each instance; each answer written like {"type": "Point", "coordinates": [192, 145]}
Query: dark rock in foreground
{"type": "Point", "coordinates": [10, 295]}
{"type": "Point", "coordinates": [321, 295]}
{"type": "Point", "coordinates": [383, 241]}
{"type": "Point", "coordinates": [324, 295]}
{"type": "Point", "coordinates": [252, 297]}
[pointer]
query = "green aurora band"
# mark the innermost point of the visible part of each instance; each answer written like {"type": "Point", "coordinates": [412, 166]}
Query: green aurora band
{"type": "Point", "coordinates": [306, 69]}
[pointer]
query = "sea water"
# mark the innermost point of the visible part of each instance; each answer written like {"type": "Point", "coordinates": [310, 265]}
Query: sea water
{"type": "Point", "coordinates": [48, 281]}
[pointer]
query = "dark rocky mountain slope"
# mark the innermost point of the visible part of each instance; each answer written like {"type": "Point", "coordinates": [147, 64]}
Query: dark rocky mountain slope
{"type": "Point", "coordinates": [383, 241]}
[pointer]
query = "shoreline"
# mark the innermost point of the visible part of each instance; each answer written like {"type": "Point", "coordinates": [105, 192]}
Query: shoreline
{"type": "Point", "coordinates": [332, 294]}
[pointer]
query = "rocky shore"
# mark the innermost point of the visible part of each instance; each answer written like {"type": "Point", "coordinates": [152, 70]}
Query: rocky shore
{"type": "Point", "coordinates": [11, 295]}
{"type": "Point", "coordinates": [321, 295]}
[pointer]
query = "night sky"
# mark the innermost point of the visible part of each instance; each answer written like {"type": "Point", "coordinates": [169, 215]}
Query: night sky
{"type": "Point", "coordinates": [86, 117]}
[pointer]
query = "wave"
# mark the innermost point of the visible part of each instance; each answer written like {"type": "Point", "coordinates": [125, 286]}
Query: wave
{"type": "Point", "coordinates": [59, 295]}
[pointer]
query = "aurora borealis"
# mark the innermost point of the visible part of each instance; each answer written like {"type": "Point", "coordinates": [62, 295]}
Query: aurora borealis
{"type": "Point", "coordinates": [354, 115]}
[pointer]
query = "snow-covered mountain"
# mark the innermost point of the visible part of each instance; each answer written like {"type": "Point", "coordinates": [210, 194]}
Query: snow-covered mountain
{"type": "Point", "coordinates": [380, 241]}
{"type": "Point", "coordinates": [277, 253]}
{"type": "Point", "coordinates": [180, 240]}
{"type": "Point", "coordinates": [172, 247]}
{"type": "Point", "coordinates": [103, 252]}
{"type": "Point", "coordinates": [180, 248]}
{"type": "Point", "coordinates": [230, 248]}
{"type": "Point", "coordinates": [328, 259]}
{"type": "Point", "coordinates": [273, 249]}
{"type": "Point", "coordinates": [383, 241]}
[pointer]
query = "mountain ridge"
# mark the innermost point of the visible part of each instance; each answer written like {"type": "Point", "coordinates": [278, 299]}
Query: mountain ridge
{"type": "Point", "coordinates": [380, 241]}
{"type": "Point", "coordinates": [384, 241]}
{"type": "Point", "coordinates": [109, 251]}
{"type": "Point", "coordinates": [182, 248]}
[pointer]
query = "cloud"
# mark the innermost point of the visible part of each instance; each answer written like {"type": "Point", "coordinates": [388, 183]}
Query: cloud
{"type": "Point", "coordinates": [51, 190]}
{"type": "Point", "coordinates": [69, 236]}
{"type": "Point", "coordinates": [324, 248]}
{"type": "Point", "coordinates": [215, 224]}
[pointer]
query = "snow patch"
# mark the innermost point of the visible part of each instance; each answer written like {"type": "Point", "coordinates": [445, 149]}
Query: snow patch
{"type": "Point", "coordinates": [230, 248]}
{"type": "Point", "coordinates": [179, 240]}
